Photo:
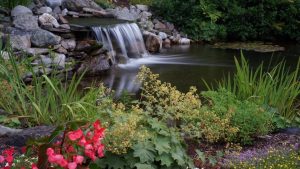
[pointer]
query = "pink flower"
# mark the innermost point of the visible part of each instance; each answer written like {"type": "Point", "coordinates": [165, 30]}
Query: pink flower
{"type": "Point", "coordinates": [50, 151]}
{"type": "Point", "coordinates": [62, 163]}
{"type": "Point", "coordinates": [88, 147]}
{"type": "Point", "coordinates": [75, 135]}
{"type": "Point", "coordinates": [9, 159]}
{"type": "Point", "coordinates": [33, 166]}
{"type": "Point", "coordinates": [72, 165]}
{"type": "Point", "coordinates": [2, 159]}
{"type": "Point", "coordinates": [78, 159]}
{"type": "Point", "coordinates": [97, 125]}
{"type": "Point", "coordinates": [90, 154]}
{"type": "Point", "coordinates": [82, 141]}
{"type": "Point", "coordinates": [70, 149]}
{"type": "Point", "coordinates": [100, 151]}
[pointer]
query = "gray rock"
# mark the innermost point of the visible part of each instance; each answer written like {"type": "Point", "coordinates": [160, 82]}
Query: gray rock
{"type": "Point", "coordinates": [61, 50]}
{"type": "Point", "coordinates": [57, 10]}
{"type": "Point", "coordinates": [184, 41]}
{"type": "Point", "coordinates": [43, 38]}
{"type": "Point", "coordinates": [26, 22]}
{"type": "Point", "coordinates": [95, 65]}
{"type": "Point", "coordinates": [20, 10]}
{"type": "Point", "coordinates": [65, 26]}
{"type": "Point", "coordinates": [64, 12]}
{"type": "Point", "coordinates": [160, 26]}
{"type": "Point", "coordinates": [126, 14]}
{"type": "Point", "coordinates": [44, 9]}
{"type": "Point", "coordinates": [20, 42]}
{"type": "Point", "coordinates": [59, 60]}
{"type": "Point", "coordinates": [78, 5]}
{"type": "Point", "coordinates": [95, 12]}
{"type": "Point", "coordinates": [53, 3]}
{"type": "Point", "coordinates": [47, 19]}
{"type": "Point", "coordinates": [170, 26]}
{"type": "Point", "coordinates": [68, 44]}
{"type": "Point", "coordinates": [43, 61]}
{"type": "Point", "coordinates": [145, 15]}
{"type": "Point", "coordinates": [162, 35]}
{"type": "Point", "coordinates": [153, 42]}
{"type": "Point", "coordinates": [62, 19]}
{"type": "Point", "coordinates": [36, 51]}
{"type": "Point", "coordinates": [72, 13]}
{"type": "Point", "coordinates": [142, 7]}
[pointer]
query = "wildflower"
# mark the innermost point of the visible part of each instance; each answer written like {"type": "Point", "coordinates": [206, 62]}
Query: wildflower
{"type": "Point", "coordinates": [2, 159]}
{"type": "Point", "coordinates": [72, 165]}
{"type": "Point", "coordinates": [78, 159]}
{"type": "Point", "coordinates": [34, 166]}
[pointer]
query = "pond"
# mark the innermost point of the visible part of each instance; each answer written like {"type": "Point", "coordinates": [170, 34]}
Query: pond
{"type": "Point", "coordinates": [186, 66]}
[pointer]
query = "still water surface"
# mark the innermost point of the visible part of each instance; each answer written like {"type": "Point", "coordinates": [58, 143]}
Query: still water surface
{"type": "Point", "coordinates": [185, 66]}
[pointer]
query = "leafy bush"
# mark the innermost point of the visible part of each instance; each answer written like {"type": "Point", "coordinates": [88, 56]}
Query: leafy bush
{"type": "Point", "coordinates": [277, 87]}
{"type": "Point", "coordinates": [144, 2]}
{"type": "Point", "coordinates": [211, 20]}
{"type": "Point", "coordinates": [246, 118]}
{"type": "Point", "coordinates": [222, 118]}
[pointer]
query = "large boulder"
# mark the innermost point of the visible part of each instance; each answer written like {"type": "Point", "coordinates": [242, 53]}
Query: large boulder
{"type": "Point", "coordinates": [26, 22]}
{"type": "Point", "coordinates": [48, 20]}
{"type": "Point", "coordinates": [44, 9]}
{"type": "Point", "coordinates": [78, 5]}
{"type": "Point", "coordinates": [53, 3]}
{"type": "Point", "coordinates": [20, 10]}
{"type": "Point", "coordinates": [43, 38]}
{"type": "Point", "coordinates": [153, 42]}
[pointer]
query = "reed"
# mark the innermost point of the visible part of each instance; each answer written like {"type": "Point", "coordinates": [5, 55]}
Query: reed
{"type": "Point", "coordinates": [277, 87]}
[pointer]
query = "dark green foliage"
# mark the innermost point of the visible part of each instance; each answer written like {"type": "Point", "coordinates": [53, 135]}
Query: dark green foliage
{"type": "Point", "coordinates": [12, 3]}
{"type": "Point", "coordinates": [233, 19]}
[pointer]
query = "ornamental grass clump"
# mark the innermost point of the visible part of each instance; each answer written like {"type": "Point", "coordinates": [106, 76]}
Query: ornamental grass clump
{"type": "Point", "coordinates": [277, 88]}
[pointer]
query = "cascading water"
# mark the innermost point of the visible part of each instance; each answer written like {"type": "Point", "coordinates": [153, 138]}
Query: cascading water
{"type": "Point", "coordinates": [123, 40]}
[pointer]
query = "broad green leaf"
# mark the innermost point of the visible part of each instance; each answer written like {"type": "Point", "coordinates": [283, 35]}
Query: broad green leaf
{"type": "Point", "coordinates": [144, 151]}
{"type": "Point", "coordinates": [162, 144]}
{"type": "Point", "coordinates": [165, 159]}
{"type": "Point", "coordinates": [201, 155]}
{"type": "Point", "coordinates": [143, 166]}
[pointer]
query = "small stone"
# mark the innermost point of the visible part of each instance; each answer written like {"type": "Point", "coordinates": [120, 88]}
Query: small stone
{"type": "Point", "coordinates": [142, 7]}
{"type": "Point", "coordinates": [64, 12]}
{"type": "Point", "coordinates": [167, 43]}
{"type": "Point", "coordinates": [44, 9]}
{"type": "Point", "coordinates": [62, 19]}
{"type": "Point", "coordinates": [59, 59]}
{"type": "Point", "coordinates": [78, 5]}
{"type": "Point", "coordinates": [160, 26]}
{"type": "Point", "coordinates": [61, 50]}
{"type": "Point", "coordinates": [184, 41]}
{"type": "Point", "coordinates": [65, 26]}
{"type": "Point", "coordinates": [68, 44]}
{"type": "Point", "coordinates": [47, 19]}
{"type": "Point", "coordinates": [72, 13]}
{"type": "Point", "coordinates": [53, 3]}
{"type": "Point", "coordinates": [162, 35]}
{"type": "Point", "coordinates": [57, 10]}
{"type": "Point", "coordinates": [83, 46]}
{"type": "Point", "coordinates": [36, 51]}
{"type": "Point", "coordinates": [20, 10]}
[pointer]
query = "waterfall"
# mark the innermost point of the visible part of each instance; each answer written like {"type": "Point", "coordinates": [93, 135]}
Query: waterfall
{"type": "Point", "coordinates": [123, 40]}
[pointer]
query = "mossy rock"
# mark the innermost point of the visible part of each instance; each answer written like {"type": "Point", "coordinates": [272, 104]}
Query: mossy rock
{"type": "Point", "coordinates": [250, 46]}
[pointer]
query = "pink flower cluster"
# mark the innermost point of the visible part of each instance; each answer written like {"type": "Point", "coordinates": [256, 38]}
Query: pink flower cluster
{"type": "Point", "coordinates": [79, 146]}
{"type": "Point", "coordinates": [8, 158]}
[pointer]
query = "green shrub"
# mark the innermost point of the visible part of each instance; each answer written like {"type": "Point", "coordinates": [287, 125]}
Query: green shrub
{"type": "Point", "coordinates": [144, 2]}
{"type": "Point", "coordinates": [248, 118]}
{"type": "Point", "coordinates": [211, 20]}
